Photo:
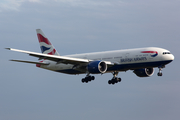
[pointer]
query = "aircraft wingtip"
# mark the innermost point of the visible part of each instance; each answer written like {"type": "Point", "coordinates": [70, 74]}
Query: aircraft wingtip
{"type": "Point", "coordinates": [8, 48]}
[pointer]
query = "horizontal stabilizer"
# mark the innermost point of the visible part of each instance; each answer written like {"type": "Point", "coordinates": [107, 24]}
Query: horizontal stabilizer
{"type": "Point", "coordinates": [41, 63]}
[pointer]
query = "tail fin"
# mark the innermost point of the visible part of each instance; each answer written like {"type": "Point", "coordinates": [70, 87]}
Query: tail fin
{"type": "Point", "coordinates": [45, 44]}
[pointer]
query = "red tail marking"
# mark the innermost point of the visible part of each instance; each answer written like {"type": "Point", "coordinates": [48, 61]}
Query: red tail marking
{"type": "Point", "coordinates": [43, 39]}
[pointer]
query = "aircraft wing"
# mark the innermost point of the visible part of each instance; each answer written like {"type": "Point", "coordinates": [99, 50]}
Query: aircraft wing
{"type": "Point", "coordinates": [55, 58]}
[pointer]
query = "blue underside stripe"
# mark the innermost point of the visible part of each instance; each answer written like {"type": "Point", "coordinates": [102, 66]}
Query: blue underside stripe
{"type": "Point", "coordinates": [122, 67]}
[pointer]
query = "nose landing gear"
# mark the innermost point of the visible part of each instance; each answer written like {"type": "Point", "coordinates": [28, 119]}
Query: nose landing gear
{"type": "Point", "coordinates": [159, 73]}
{"type": "Point", "coordinates": [160, 70]}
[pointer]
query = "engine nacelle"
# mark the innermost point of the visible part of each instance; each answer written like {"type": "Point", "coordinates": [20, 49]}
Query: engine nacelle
{"type": "Point", "coordinates": [145, 72]}
{"type": "Point", "coordinates": [95, 67]}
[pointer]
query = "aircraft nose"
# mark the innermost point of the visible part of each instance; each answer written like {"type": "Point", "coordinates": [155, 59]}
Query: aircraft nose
{"type": "Point", "coordinates": [168, 57]}
{"type": "Point", "coordinates": [172, 57]}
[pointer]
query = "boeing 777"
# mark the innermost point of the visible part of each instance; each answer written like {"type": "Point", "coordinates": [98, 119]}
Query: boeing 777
{"type": "Point", "coordinates": [141, 61]}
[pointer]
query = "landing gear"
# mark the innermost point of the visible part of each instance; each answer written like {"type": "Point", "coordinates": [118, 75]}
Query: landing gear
{"type": "Point", "coordinates": [88, 78]}
{"type": "Point", "coordinates": [160, 70]}
{"type": "Point", "coordinates": [114, 79]}
{"type": "Point", "coordinates": [159, 73]}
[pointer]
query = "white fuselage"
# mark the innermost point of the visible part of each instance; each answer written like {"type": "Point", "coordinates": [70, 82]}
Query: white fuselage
{"type": "Point", "coordinates": [123, 60]}
{"type": "Point", "coordinates": [141, 60]}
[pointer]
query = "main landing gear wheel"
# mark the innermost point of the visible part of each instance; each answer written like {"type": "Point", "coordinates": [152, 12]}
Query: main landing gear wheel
{"type": "Point", "coordinates": [88, 79]}
{"type": "Point", "coordinates": [114, 79]}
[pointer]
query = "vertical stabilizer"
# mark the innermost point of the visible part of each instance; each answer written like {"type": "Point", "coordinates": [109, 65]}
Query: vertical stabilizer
{"type": "Point", "coordinates": [45, 44]}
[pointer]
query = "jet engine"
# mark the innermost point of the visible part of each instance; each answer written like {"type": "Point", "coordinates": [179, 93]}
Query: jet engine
{"type": "Point", "coordinates": [145, 72]}
{"type": "Point", "coordinates": [96, 67]}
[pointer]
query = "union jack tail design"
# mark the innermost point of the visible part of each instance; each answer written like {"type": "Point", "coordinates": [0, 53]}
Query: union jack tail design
{"type": "Point", "coordinates": [45, 45]}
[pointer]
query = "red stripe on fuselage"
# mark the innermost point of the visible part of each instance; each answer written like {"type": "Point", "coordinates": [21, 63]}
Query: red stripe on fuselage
{"type": "Point", "coordinates": [149, 52]}
{"type": "Point", "coordinates": [43, 39]}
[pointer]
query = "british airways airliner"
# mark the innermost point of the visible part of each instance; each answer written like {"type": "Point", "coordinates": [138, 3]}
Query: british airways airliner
{"type": "Point", "coordinates": [141, 61]}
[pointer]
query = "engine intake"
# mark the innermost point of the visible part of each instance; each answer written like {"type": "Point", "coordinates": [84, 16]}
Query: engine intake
{"type": "Point", "coordinates": [145, 72]}
{"type": "Point", "coordinates": [95, 67]}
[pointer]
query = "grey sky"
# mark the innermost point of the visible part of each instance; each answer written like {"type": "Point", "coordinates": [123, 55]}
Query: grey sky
{"type": "Point", "coordinates": [79, 26]}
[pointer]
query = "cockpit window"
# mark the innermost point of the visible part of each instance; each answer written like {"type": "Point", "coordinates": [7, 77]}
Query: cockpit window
{"type": "Point", "coordinates": [166, 53]}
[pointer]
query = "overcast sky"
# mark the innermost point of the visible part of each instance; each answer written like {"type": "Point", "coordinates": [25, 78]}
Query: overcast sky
{"type": "Point", "coordinates": [80, 26]}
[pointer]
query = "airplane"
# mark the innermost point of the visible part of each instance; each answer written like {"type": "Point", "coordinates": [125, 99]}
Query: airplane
{"type": "Point", "coordinates": [141, 61]}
